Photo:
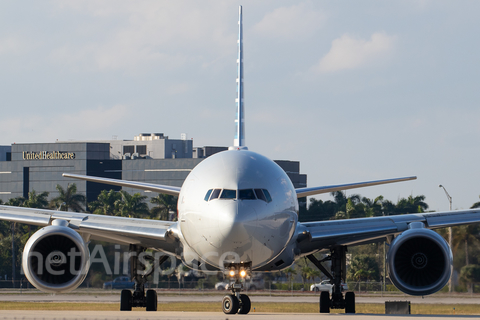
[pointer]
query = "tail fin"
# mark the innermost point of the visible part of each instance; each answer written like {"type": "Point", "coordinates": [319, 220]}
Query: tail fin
{"type": "Point", "coordinates": [239, 121]}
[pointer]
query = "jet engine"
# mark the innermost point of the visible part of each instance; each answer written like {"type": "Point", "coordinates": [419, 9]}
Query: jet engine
{"type": "Point", "coordinates": [419, 261]}
{"type": "Point", "coordinates": [56, 259]}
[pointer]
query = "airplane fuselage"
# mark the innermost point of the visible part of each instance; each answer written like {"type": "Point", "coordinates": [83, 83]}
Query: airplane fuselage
{"type": "Point", "coordinates": [237, 206]}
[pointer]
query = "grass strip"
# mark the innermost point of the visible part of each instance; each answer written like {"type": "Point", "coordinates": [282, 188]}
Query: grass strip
{"type": "Point", "coordinates": [372, 308]}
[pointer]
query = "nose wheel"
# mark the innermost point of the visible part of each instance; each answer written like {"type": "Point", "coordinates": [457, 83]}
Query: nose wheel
{"type": "Point", "coordinates": [232, 304]}
{"type": "Point", "coordinates": [237, 302]}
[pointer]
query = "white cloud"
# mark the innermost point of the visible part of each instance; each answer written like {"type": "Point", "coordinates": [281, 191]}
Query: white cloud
{"type": "Point", "coordinates": [12, 45]}
{"type": "Point", "coordinates": [81, 125]}
{"type": "Point", "coordinates": [348, 52]}
{"type": "Point", "coordinates": [143, 34]}
{"type": "Point", "coordinates": [290, 22]}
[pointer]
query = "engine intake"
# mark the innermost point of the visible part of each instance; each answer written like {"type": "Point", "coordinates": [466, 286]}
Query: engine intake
{"type": "Point", "coordinates": [56, 259]}
{"type": "Point", "coordinates": [419, 261]}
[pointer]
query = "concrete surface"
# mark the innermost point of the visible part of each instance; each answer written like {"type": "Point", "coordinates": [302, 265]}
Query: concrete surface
{"type": "Point", "coordinates": [172, 297]}
{"type": "Point", "coordinates": [114, 315]}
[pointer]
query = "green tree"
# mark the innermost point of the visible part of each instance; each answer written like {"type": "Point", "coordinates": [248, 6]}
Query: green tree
{"type": "Point", "coordinates": [15, 202]}
{"type": "Point", "coordinates": [470, 274]}
{"type": "Point", "coordinates": [475, 205]}
{"type": "Point", "coordinates": [411, 205]}
{"type": "Point", "coordinates": [348, 207]}
{"type": "Point", "coordinates": [68, 199]}
{"type": "Point", "coordinates": [290, 272]}
{"type": "Point", "coordinates": [35, 200]}
{"type": "Point", "coordinates": [312, 274]}
{"type": "Point", "coordinates": [107, 203]}
{"type": "Point", "coordinates": [363, 268]}
{"type": "Point", "coordinates": [164, 204]}
{"type": "Point", "coordinates": [373, 208]}
{"type": "Point", "coordinates": [465, 236]}
{"type": "Point", "coordinates": [318, 210]}
{"type": "Point", "coordinates": [133, 206]}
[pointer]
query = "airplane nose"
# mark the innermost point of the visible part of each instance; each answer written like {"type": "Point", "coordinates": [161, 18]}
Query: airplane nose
{"type": "Point", "coordinates": [236, 223]}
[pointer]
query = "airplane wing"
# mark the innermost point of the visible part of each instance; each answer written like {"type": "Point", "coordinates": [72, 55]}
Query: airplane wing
{"type": "Point", "coordinates": [305, 192]}
{"type": "Point", "coordinates": [174, 191]}
{"type": "Point", "coordinates": [144, 232]}
{"type": "Point", "coordinates": [315, 236]}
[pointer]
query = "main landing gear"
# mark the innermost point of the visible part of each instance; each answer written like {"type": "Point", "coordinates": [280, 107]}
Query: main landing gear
{"type": "Point", "coordinates": [139, 298]}
{"type": "Point", "coordinates": [236, 302]}
{"type": "Point", "coordinates": [337, 275]}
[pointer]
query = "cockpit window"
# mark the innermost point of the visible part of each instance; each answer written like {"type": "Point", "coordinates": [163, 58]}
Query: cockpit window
{"type": "Point", "coordinates": [215, 194]}
{"type": "Point", "coordinates": [267, 195]}
{"type": "Point", "coordinates": [228, 194]}
{"type": "Point", "coordinates": [209, 192]}
{"type": "Point", "coordinates": [246, 194]}
{"type": "Point", "coordinates": [260, 194]}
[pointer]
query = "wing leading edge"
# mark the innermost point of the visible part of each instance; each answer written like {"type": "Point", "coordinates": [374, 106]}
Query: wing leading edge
{"type": "Point", "coordinates": [174, 191]}
{"type": "Point", "coordinates": [320, 235]}
{"type": "Point", "coordinates": [305, 192]}
{"type": "Point", "coordinates": [146, 232]}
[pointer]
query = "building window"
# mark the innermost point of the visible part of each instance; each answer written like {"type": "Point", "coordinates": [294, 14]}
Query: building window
{"type": "Point", "coordinates": [142, 149]}
{"type": "Point", "coordinates": [128, 149]}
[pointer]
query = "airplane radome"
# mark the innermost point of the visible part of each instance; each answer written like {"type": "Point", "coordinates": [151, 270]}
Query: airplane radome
{"type": "Point", "coordinates": [237, 213]}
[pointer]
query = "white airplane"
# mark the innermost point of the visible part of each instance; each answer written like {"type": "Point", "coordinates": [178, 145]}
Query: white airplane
{"type": "Point", "coordinates": [237, 212]}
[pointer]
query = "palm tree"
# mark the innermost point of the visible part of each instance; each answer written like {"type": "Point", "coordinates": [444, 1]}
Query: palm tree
{"type": "Point", "coordinates": [347, 207]}
{"type": "Point", "coordinates": [15, 202]}
{"type": "Point", "coordinates": [107, 203]}
{"type": "Point", "coordinates": [36, 200]}
{"type": "Point", "coordinates": [363, 267]}
{"type": "Point", "coordinates": [68, 199]}
{"type": "Point", "coordinates": [164, 204]}
{"type": "Point", "coordinates": [373, 208]}
{"type": "Point", "coordinates": [475, 205]}
{"type": "Point", "coordinates": [470, 274]}
{"type": "Point", "coordinates": [412, 205]}
{"type": "Point", "coordinates": [465, 235]}
{"type": "Point", "coordinates": [132, 205]}
{"type": "Point", "coordinates": [312, 273]}
{"type": "Point", "coordinates": [290, 273]}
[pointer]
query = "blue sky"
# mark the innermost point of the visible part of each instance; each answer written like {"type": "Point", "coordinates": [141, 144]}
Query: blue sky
{"type": "Point", "coordinates": [353, 90]}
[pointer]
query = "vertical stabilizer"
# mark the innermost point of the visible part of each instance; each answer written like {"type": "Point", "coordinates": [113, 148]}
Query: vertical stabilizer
{"type": "Point", "coordinates": [239, 121]}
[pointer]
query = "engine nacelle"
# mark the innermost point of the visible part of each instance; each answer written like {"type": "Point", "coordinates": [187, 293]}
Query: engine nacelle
{"type": "Point", "coordinates": [419, 261]}
{"type": "Point", "coordinates": [56, 259]}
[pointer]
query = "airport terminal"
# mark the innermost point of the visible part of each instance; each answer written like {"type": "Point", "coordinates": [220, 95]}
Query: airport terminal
{"type": "Point", "coordinates": [149, 157]}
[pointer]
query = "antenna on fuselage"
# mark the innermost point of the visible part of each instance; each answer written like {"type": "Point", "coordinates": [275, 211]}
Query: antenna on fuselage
{"type": "Point", "coordinates": [239, 140]}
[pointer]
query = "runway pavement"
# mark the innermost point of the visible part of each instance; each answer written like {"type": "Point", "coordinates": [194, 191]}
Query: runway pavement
{"type": "Point", "coordinates": [114, 297]}
{"type": "Point", "coordinates": [165, 297]}
{"type": "Point", "coordinates": [134, 315]}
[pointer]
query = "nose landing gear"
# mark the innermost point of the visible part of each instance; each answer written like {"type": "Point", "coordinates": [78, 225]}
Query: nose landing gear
{"type": "Point", "coordinates": [236, 302]}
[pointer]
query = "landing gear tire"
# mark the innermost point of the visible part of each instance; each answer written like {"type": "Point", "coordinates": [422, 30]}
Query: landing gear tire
{"type": "Point", "coordinates": [350, 302]}
{"type": "Point", "coordinates": [230, 304]}
{"type": "Point", "coordinates": [324, 302]}
{"type": "Point", "coordinates": [126, 300]}
{"type": "Point", "coordinates": [246, 304]}
{"type": "Point", "coordinates": [151, 300]}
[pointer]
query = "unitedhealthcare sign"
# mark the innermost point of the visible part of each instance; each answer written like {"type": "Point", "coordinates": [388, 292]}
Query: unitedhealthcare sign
{"type": "Point", "coordinates": [48, 155]}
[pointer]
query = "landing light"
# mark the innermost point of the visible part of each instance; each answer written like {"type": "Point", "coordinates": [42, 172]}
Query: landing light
{"type": "Point", "coordinates": [243, 273]}
{"type": "Point", "coordinates": [232, 273]}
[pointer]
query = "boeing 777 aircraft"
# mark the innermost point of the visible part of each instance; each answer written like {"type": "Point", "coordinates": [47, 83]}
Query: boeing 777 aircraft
{"type": "Point", "coordinates": [237, 212]}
